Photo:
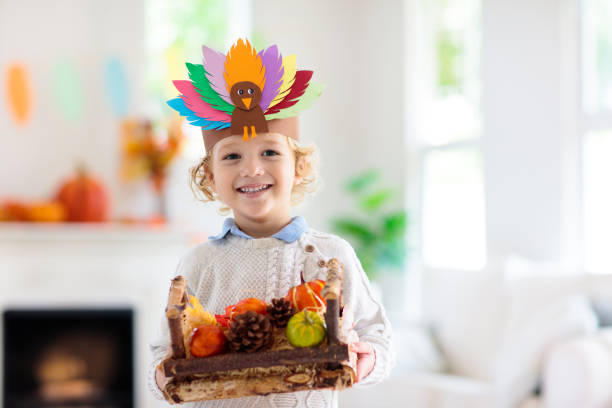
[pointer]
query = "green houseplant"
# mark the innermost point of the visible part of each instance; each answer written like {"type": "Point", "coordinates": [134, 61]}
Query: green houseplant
{"type": "Point", "coordinates": [377, 233]}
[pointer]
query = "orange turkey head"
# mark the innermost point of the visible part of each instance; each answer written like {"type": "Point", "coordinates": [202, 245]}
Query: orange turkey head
{"type": "Point", "coordinates": [245, 95]}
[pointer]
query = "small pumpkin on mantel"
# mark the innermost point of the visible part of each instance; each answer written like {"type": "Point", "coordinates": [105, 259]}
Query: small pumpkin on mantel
{"type": "Point", "coordinates": [85, 197]}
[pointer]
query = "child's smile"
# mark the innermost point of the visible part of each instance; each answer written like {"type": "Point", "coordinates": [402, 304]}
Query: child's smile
{"type": "Point", "coordinates": [253, 189]}
{"type": "Point", "coordinates": [255, 178]}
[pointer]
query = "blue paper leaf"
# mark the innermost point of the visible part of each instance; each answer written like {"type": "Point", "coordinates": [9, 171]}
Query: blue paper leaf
{"type": "Point", "coordinates": [116, 86]}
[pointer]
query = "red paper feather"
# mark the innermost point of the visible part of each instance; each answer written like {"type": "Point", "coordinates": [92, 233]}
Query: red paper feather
{"type": "Point", "coordinates": [298, 88]}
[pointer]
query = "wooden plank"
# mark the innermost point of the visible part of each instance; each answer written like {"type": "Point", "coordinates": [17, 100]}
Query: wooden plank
{"type": "Point", "coordinates": [234, 361]}
{"type": "Point", "coordinates": [258, 381]}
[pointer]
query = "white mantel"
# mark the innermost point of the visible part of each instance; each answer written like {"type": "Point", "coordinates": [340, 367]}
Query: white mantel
{"type": "Point", "coordinates": [89, 266]}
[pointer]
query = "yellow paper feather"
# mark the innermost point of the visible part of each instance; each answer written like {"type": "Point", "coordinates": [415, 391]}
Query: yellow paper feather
{"type": "Point", "coordinates": [290, 68]}
{"type": "Point", "coordinates": [196, 315]}
{"type": "Point", "coordinates": [243, 64]}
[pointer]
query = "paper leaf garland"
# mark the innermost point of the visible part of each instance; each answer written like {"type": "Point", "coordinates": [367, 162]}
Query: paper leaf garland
{"type": "Point", "coordinates": [68, 89]}
{"type": "Point", "coordinates": [206, 101]}
{"type": "Point", "coordinates": [116, 86]}
{"type": "Point", "coordinates": [18, 93]}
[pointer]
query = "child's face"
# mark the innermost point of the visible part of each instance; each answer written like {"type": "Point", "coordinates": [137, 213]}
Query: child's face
{"type": "Point", "coordinates": [255, 177]}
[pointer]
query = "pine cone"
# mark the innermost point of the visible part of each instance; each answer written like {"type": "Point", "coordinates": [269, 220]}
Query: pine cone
{"type": "Point", "coordinates": [249, 331]}
{"type": "Point", "coordinates": [280, 311]}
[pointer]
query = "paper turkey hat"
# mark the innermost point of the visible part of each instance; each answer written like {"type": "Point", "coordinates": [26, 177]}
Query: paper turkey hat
{"type": "Point", "coordinates": [244, 93]}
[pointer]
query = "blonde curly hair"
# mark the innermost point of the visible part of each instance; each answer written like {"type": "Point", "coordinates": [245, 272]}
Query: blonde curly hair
{"type": "Point", "coordinates": [306, 158]}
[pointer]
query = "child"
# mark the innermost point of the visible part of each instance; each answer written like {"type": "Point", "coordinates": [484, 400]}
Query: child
{"type": "Point", "coordinates": [258, 171]}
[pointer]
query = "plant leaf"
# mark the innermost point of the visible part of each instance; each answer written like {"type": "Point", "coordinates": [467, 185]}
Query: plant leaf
{"type": "Point", "coordinates": [356, 229]}
{"type": "Point", "coordinates": [362, 181]}
{"type": "Point", "coordinates": [374, 201]}
{"type": "Point", "coordinates": [368, 257]}
{"type": "Point", "coordinates": [393, 254]}
{"type": "Point", "coordinates": [394, 225]}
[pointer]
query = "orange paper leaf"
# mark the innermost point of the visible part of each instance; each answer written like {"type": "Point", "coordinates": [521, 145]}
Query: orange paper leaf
{"type": "Point", "coordinates": [18, 93]}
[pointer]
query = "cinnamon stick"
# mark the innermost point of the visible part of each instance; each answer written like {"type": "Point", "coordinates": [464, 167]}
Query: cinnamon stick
{"type": "Point", "coordinates": [176, 305]}
{"type": "Point", "coordinates": [332, 292]}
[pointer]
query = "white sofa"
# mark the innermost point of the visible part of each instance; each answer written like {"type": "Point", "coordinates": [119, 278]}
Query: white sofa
{"type": "Point", "coordinates": [500, 335]}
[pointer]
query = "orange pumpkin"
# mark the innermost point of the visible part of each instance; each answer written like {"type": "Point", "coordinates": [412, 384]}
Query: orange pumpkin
{"type": "Point", "coordinates": [254, 304]}
{"type": "Point", "coordinates": [85, 198]}
{"type": "Point", "coordinates": [47, 212]}
{"type": "Point", "coordinates": [307, 295]}
{"type": "Point", "coordinates": [15, 211]}
{"type": "Point", "coordinates": [207, 340]}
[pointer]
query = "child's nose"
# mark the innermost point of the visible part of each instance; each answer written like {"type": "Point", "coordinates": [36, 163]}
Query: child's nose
{"type": "Point", "coordinates": [251, 168]}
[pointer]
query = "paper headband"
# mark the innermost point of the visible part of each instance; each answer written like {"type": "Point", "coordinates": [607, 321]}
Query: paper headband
{"type": "Point", "coordinates": [244, 91]}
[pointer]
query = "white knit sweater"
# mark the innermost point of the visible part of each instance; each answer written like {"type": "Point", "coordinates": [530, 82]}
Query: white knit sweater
{"type": "Point", "coordinates": [220, 273]}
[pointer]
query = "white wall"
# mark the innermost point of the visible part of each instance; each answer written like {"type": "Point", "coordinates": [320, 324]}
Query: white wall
{"type": "Point", "coordinates": [356, 49]}
{"type": "Point", "coordinates": [37, 156]}
{"type": "Point", "coordinates": [524, 146]}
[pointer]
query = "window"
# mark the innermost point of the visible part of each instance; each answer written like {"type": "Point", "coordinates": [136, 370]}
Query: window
{"type": "Point", "coordinates": [448, 133]}
{"type": "Point", "coordinates": [596, 129]}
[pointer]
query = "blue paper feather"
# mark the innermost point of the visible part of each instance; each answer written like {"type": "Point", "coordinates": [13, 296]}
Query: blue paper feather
{"type": "Point", "coordinates": [179, 105]}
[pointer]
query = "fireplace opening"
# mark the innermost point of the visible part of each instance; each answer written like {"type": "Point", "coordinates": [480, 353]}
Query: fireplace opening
{"type": "Point", "coordinates": [68, 358]}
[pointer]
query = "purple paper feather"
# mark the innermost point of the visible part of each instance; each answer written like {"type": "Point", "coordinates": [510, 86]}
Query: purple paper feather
{"type": "Point", "coordinates": [273, 61]}
{"type": "Point", "coordinates": [214, 63]}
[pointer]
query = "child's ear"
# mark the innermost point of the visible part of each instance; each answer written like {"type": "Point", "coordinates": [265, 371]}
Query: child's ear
{"type": "Point", "coordinates": [211, 180]}
{"type": "Point", "coordinates": [299, 171]}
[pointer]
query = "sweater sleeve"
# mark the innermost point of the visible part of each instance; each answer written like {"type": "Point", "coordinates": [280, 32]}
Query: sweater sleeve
{"type": "Point", "coordinates": [189, 267]}
{"type": "Point", "coordinates": [370, 320]}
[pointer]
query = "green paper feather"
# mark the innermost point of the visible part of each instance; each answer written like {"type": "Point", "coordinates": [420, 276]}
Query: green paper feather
{"type": "Point", "coordinates": [312, 93]}
{"type": "Point", "coordinates": [197, 74]}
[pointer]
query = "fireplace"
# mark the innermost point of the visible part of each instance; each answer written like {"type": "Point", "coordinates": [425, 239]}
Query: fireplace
{"type": "Point", "coordinates": [68, 358]}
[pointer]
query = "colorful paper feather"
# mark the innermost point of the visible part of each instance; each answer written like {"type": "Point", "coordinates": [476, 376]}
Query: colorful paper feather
{"type": "Point", "coordinates": [273, 63]}
{"type": "Point", "coordinates": [289, 66]}
{"type": "Point", "coordinates": [312, 93]}
{"type": "Point", "coordinates": [243, 64]}
{"type": "Point", "coordinates": [205, 100]}
{"type": "Point", "coordinates": [300, 85]}
{"type": "Point", "coordinates": [213, 63]}
{"type": "Point", "coordinates": [196, 104]}
{"type": "Point", "coordinates": [197, 74]}
{"type": "Point", "coordinates": [178, 105]}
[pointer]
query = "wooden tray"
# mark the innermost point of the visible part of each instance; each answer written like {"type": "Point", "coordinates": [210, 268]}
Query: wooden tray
{"type": "Point", "coordinates": [282, 368]}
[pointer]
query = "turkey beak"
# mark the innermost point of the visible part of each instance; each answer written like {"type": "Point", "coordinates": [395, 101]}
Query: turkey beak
{"type": "Point", "coordinates": [247, 102]}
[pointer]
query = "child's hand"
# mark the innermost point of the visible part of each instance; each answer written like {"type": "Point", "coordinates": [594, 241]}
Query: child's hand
{"type": "Point", "coordinates": [160, 377]}
{"type": "Point", "coordinates": [365, 358]}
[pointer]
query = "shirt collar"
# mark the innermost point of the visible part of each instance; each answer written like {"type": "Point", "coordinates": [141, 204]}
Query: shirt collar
{"type": "Point", "coordinates": [290, 233]}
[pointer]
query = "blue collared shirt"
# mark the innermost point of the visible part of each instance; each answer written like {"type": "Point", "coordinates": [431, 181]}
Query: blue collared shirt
{"type": "Point", "coordinates": [290, 233]}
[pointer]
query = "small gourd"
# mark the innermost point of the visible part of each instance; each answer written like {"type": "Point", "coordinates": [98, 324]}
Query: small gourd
{"type": "Point", "coordinates": [306, 329]}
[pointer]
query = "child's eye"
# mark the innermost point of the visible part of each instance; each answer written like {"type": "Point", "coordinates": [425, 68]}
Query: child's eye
{"type": "Point", "coordinates": [231, 156]}
{"type": "Point", "coordinates": [270, 152]}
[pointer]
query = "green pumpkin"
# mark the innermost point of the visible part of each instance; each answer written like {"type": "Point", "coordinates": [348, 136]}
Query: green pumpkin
{"type": "Point", "coordinates": [306, 329]}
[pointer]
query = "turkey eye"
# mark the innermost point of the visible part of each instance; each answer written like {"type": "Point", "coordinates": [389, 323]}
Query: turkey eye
{"type": "Point", "coordinates": [251, 91]}
{"type": "Point", "coordinates": [240, 91]}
